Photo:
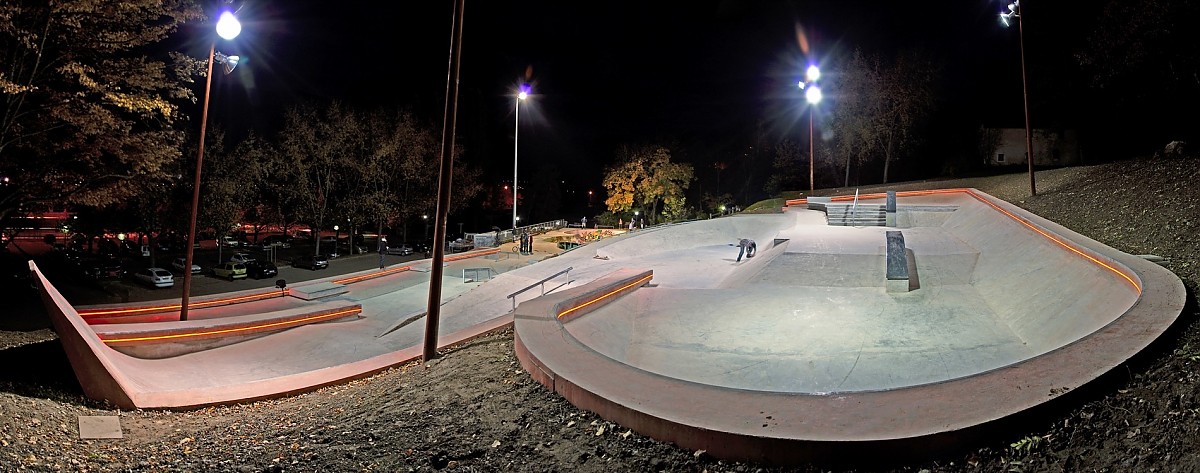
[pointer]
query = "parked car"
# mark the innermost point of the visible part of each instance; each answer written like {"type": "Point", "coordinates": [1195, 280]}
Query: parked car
{"type": "Point", "coordinates": [313, 262]}
{"type": "Point", "coordinates": [261, 269]}
{"type": "Point", "coordinates": [107, 247]}
{"type": "Point", "coordinates": [422, 246]}
{"type": "Point", "coordinates": [231, 242]}
{"type": "Point", "coordinates": [281, 241]}
{"type": "Point", "coordinates": [155, 277]}
{"type": "Point", "coordinates": [402, 249]}
{"type": "Point", "coordinates": [230, 270]}
{"type": "Point", "coordinates": [181, 262]}
{"type": "Point", "coordinates": [241, 258]}
{"type": "Point", "coordinates": [102, 268]}
{"type": "Point", "coordinates": [460, 245]}
{"type": "Point", "coordinates": [168, 246]}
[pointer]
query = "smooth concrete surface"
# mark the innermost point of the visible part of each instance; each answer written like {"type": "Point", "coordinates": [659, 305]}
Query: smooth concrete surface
{"type": "Point", "coordinates": [807, 355]}
{"type": "Point", "coordinates": [817, 317]}
{"type": "Point", "coordinates": [771, 358]}
{"type": "Point", "coordinates": [300, 358]}
{"type": "Point", "coordinates": [100, 427]}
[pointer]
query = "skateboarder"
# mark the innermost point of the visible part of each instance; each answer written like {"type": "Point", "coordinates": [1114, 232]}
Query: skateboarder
{"type": "Point", "coordinates": [742, 245]}
{"type": "Point", "coordinates": [751, 249]}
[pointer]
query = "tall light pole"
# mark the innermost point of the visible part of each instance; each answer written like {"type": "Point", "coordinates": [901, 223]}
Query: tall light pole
{"type": "Point", "coordinates": [445, 172]}
{"type": "Point", "coordinates": [1014, 11]}
{"type": "Point", "coordinates": [812, 94]}
{"type": "Point", "coordinates": [521, 96]}
{"type": "Point", "coordinates": [228, 27]}
{"type": "Point", "coordinates": [336, 236]}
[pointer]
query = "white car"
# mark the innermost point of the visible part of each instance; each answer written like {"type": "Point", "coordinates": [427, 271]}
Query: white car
{"type": "Point", "coordinates": [180, 262]}
{"type": "Point", "coordinates": [403, 250]}
{"type": "Point", "coordinates": [155, 277]}
{"type": "Point", "coordinates": [241, 258]}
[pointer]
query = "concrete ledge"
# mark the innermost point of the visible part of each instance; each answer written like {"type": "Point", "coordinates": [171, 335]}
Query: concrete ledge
{"type": "Point", "coordinates": [581, 300]}
{"type": "Point", "coordinates": [167, 339]}
{"type": "Point", "coordinates": [890, 208]}
{"type": "Point", "coordinates": [153, 312]}
{"type": "Point", "coordinates": [319, 290]}
{"type": "Point", "coordinates": [897, 262]}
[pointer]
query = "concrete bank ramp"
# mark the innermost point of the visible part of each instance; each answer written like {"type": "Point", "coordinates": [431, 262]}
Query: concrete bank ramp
{"type": "Point", "coordinates": [802, 352]}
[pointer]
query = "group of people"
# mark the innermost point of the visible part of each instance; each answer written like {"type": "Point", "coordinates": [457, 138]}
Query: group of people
{"type": "Point", "coordinates": [746, 247]}
{"type": "Point", "coordinates": [526, 242]}
{"type": "Point", "coordinates": [633, 223]}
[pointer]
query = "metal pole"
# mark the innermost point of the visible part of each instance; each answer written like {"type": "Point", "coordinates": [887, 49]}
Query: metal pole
{"type": "Point", "coordinates": [191, 236]}
{"type": "Point", "coordinates": [1025, 86]}
{"type": "Point", "coordinates": [433, 309]}
{"type": "Point", "coordinates": [516, 131]}
{"type": "Point", "coordinates": [811, 148]}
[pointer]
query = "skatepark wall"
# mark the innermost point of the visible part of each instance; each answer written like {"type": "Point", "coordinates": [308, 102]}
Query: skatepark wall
{"type": "Point", "coordinates": [93, 368]}
{"type": "Point", "coordinates": [1047, 294]}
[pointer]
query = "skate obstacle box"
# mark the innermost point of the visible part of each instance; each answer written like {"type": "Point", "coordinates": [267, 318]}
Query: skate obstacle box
{"type": "Point", "coordinates": [897, 262]}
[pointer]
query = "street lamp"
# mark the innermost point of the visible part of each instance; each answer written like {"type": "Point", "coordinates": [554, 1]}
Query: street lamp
{"type": "Point", "coordinates": [228, 27]}
{"type": "Point", "coordinates": [336, 236]}
{"type": "Point", "coordinates": [1014, 11]}
{"type": "Point", "coordinates": [812, 94]}
{"type": "Point", "coordinates": [521, 96]}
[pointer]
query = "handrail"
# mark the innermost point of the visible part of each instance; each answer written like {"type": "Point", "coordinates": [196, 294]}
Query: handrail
{"type": "Point", "coordinates": [513, 296]}
{"type": "Point", "coordinates": [853, 209]}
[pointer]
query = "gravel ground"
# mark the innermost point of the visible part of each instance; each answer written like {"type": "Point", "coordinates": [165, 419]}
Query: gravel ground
{"type": "Point", "coordinates": [474, 409]}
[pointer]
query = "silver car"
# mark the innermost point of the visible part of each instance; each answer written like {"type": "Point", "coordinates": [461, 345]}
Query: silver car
{"type": "Point", "coordinates": [402, 249]}
{"type": "Point", "coordinates": [180, 262]}
{"type": "Point", "coordinates": [155, 277]}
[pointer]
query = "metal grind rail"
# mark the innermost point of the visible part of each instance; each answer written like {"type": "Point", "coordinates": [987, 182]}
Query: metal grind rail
{"type": "Point", "coordinates": [541, 283]}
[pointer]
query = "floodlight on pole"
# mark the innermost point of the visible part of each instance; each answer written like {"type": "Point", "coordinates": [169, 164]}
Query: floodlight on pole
{"type": "Point", "coordinates": [1014, 11]}
{"type": "Point", "coordinates": [228, 28]}
{"type": "Point", "coordinates": [812, 94]}
{"type": "Point", "coordinates": [521, 96]}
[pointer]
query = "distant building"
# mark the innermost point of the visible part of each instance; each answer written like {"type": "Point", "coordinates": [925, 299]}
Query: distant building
{"type": "Point", "coordinates": [1050, 148]}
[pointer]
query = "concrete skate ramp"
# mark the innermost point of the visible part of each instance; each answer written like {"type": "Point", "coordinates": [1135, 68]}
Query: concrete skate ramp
{"type": "Point", "coordinates": [296, 359]}
{"type": "Point", "coordinates": [803, 343]}
{"type": "Point", "coordinates": [1028, 292]}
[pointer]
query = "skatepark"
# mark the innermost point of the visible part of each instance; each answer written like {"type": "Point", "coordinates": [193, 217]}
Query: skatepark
{"type": "Point", "coordinates": [831, 337]}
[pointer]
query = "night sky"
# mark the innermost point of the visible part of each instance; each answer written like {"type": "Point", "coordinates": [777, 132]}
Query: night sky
{"type": "Point", "coordinates": [606, 73]}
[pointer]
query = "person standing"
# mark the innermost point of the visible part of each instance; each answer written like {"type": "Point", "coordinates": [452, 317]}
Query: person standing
{"type": "Point", "coordinates": [742, 244]}
{"type": "Point", "coordinates": [382, 250]}
{"type": "Point", "coordinates": [583, 221]}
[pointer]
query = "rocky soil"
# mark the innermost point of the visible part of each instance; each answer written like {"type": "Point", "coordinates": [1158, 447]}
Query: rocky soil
{"type": "Point", "coordinates": [474, 409]}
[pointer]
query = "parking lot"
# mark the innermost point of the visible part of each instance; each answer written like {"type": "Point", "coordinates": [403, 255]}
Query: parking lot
{"type": "Point", "coordinates": [73, 274]}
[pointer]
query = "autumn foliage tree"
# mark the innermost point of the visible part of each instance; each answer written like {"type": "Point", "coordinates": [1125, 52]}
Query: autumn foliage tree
{"type": "Point", "coordinates": [88, 116]}
{"type": "Point", "coordinates": [645, 178]}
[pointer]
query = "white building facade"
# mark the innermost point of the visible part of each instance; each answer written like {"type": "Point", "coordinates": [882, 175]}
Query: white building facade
{"type": "Point", "coordinates": [1050, 148]}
